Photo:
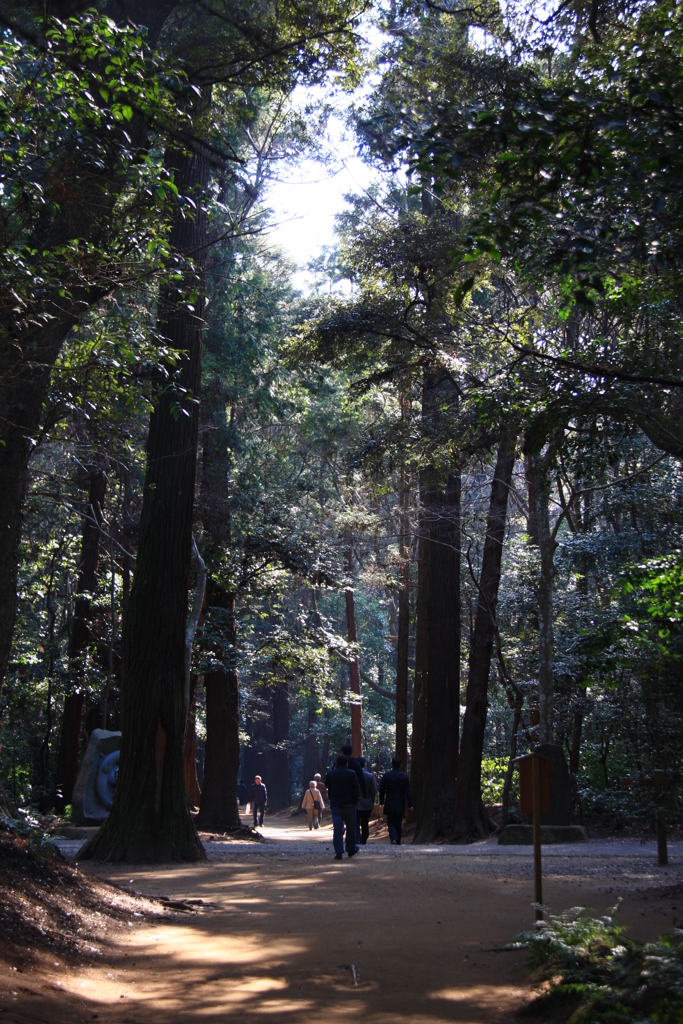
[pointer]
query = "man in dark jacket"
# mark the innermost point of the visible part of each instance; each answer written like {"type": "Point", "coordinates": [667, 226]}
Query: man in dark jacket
{"type": "Point", "coordinates": [394, 791]}
{"type": "Point", "coordinates": [258, 798]}
{"type": "Point", "coordinates": [343, 792]}
{"type": "Point", "coordinates": [354, 765]}
{"type": "Point", "coordinates": [365, 805]}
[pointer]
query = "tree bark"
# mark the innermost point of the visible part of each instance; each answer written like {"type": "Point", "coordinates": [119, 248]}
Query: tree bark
{"type": "Point", "coordinates": [192, 623]}
{"type": "Point", "coordinates": [417, 749]}
{"type": "Point", "coordinates": [87, 569]}
{"type": "Point", "coordinates": [354, 666]}
{"type": "Point", "coordinates": [575, 747]}
{"type": "Point", "coordinates": [311, 758]}
{"type": "Point", "coordinates": [194, 793]}
{"type": "Point", "coordinates": [440, 523]}
{"type": "Point", "coordinates": [507, 785]}
{"type": "Point", "coordinates": [547, 545]}
{"type": "Point", "coordinates": [324, 756]}
{"type": "Point", "coordinates": [403, 630]}
{"type": "Point", "coordinates": [470, 818]}
{"type": "Point", "coordinates": [69, 741]}
{"type": "Point", "coordinates": [7, 808]}
{"type": "Point", "coordinates": [279, 791]}
{"type": "Point", "coordinates": [532, 501]}
{"type": "Point", "coordinates": [219, 810]}
{"type": "Point", "coordinates": [150, 819]}
{"type": "Point", "coordinates": [267, 755]}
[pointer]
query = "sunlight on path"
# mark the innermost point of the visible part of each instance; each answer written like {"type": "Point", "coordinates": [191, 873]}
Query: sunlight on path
{"type": "Point", "coordinates": [288, 828]}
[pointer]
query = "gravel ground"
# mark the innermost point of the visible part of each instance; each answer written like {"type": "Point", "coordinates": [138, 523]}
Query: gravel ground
{"type": "Point", "coordinates": [622, 861]}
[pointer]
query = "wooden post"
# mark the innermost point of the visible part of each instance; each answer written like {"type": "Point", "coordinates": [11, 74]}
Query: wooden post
{"type": "Point", "coordinates": [538, 879]}
{"type": "Point", "coordinates": [534, 799]}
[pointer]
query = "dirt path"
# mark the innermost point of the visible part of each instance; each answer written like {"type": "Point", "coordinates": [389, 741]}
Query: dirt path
{"type": "Point", "coordinates": [286, 934]}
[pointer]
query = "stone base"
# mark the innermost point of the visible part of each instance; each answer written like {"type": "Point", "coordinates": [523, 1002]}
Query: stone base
{"type": "Point", "coordinates": [74, 832]}
{"type": "Point", "coordinates": [523, 835]}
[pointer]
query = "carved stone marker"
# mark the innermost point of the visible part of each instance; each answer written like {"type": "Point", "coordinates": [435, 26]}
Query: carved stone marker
{"type": "Point", "coordinates": [556, 824]}
{"type": "Point", "coordinates": [95, 786]}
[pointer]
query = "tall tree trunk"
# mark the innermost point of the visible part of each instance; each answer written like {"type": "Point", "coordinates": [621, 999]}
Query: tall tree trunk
{"type": "Point", "coordinates": [87, 569]}
{"type": "Point", "coordinates": [69, 741]}
{"type": "Point", "coordinates": [279, 791]}
{"type": "Point", "coordinates": [7, 808]}
{"type": "Point", "coordinates": [440, 495]}
{"type": "Point", "coordinates": [575, 746]}
{"type": "Point", "coordinates": [354, 666]}
{"type": "Point", "coordinates": [417, 748]}
{"type": "Point", "coordinates": [507, 785]}
{"type": "Point", "coordinates": [311, 758]}
{"type": "Point", "coordinates": [194, 793]}
{"type": "Point", "coordinates": [470, 819]}
{"type": "Point", "coordinates": [547, 545]}
{"type": "Point", "coordinates": [443, 676]}
{"type": "Point", "coordinates": [150, 819]}
{"type": "Point", "coordinates": [26, 360]}
{"type": "Point", "coordinates": [532, 501]}
{"type": "Point", "coordinates": [219, 810]}
{"type": "Point", "coordinates": [324, 756]}
{"type": "Point", "coordinates": [266, 755]}
{"type": "Point", "coordinates": [403, 615]}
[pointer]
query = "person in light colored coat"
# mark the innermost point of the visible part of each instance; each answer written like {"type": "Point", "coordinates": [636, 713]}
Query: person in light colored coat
{"type": "Point", "coordinates": [313, 804]}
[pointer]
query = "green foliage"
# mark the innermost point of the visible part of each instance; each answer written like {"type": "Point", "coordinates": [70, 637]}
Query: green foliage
{"type": "Point", "coordinates": [493, 772]}
{"type": "Point", "coordinates": [592, 964]}
{"type": "Point", "coordinates": [654, 592]}
{"type": "Point", "coordinates": [65, 119]}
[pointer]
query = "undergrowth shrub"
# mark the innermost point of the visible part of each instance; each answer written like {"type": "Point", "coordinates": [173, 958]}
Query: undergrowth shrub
{"type": "Point", "coordinates": [611, 979]}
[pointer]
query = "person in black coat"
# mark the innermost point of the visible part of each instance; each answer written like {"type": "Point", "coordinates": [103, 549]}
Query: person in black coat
{"type": "Point", "coordinates": [343, 791]}
{"type": "Point", "coordinates": [365, 805]}
{"type": "Point", "coordinates": [258, 798]}
{"type": "Point", "coordinates": [394, 792]}
{"type": "Point", "coordinates": [355, 765]}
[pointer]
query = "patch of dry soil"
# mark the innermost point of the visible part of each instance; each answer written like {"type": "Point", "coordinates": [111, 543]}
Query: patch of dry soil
{"type": "Point", "coordinates": [285, 935]}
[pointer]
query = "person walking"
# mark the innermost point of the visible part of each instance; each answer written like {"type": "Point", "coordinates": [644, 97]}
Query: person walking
{"type": "Point", "coordinates": [258, 798]}
{"type": "Point", "coordinates": [343, 790]}
{"type": "Point", "coordinates": [394, 793]}
{"type": "Point", "coordinates": [322, 788]}
{"type": "Point", "coordinates": [313, 804]}
{"type": "Point", "coordinates": [365, 805]}
{"type": "Point", "coordinates": [354, 765]}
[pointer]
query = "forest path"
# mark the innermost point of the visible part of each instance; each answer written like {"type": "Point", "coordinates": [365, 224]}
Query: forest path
{"type": "Point", "coordinates": [411, 935]}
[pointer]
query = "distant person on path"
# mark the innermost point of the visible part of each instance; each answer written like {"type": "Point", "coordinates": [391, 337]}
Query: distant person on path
{"type": "Point", "coordinates": [313, 804]}
{"type": "Point", "coordinates": [323, 792]}
{"type": "Point", "coordinates": [394, 792]}
{"type": "Point", "coordinates": [242, 794]}
{"type": "Point", "coordinates": [258, 798]}
{"type": "Point", "coordinates": [343, 790]}
{"type": "Point", "coordinates": [365, 804]}
{"type": "Point", "coordinates": [354, 764]}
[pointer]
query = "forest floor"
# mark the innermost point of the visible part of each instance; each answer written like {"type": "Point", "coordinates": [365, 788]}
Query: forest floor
{"type": "Point", "coordinates": [279, 931]}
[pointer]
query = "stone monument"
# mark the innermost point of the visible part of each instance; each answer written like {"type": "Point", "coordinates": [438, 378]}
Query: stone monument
{"type": "Point", "coordinates": [95, 787]}
{"type": "Point", "coordinates": [556, 825]}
